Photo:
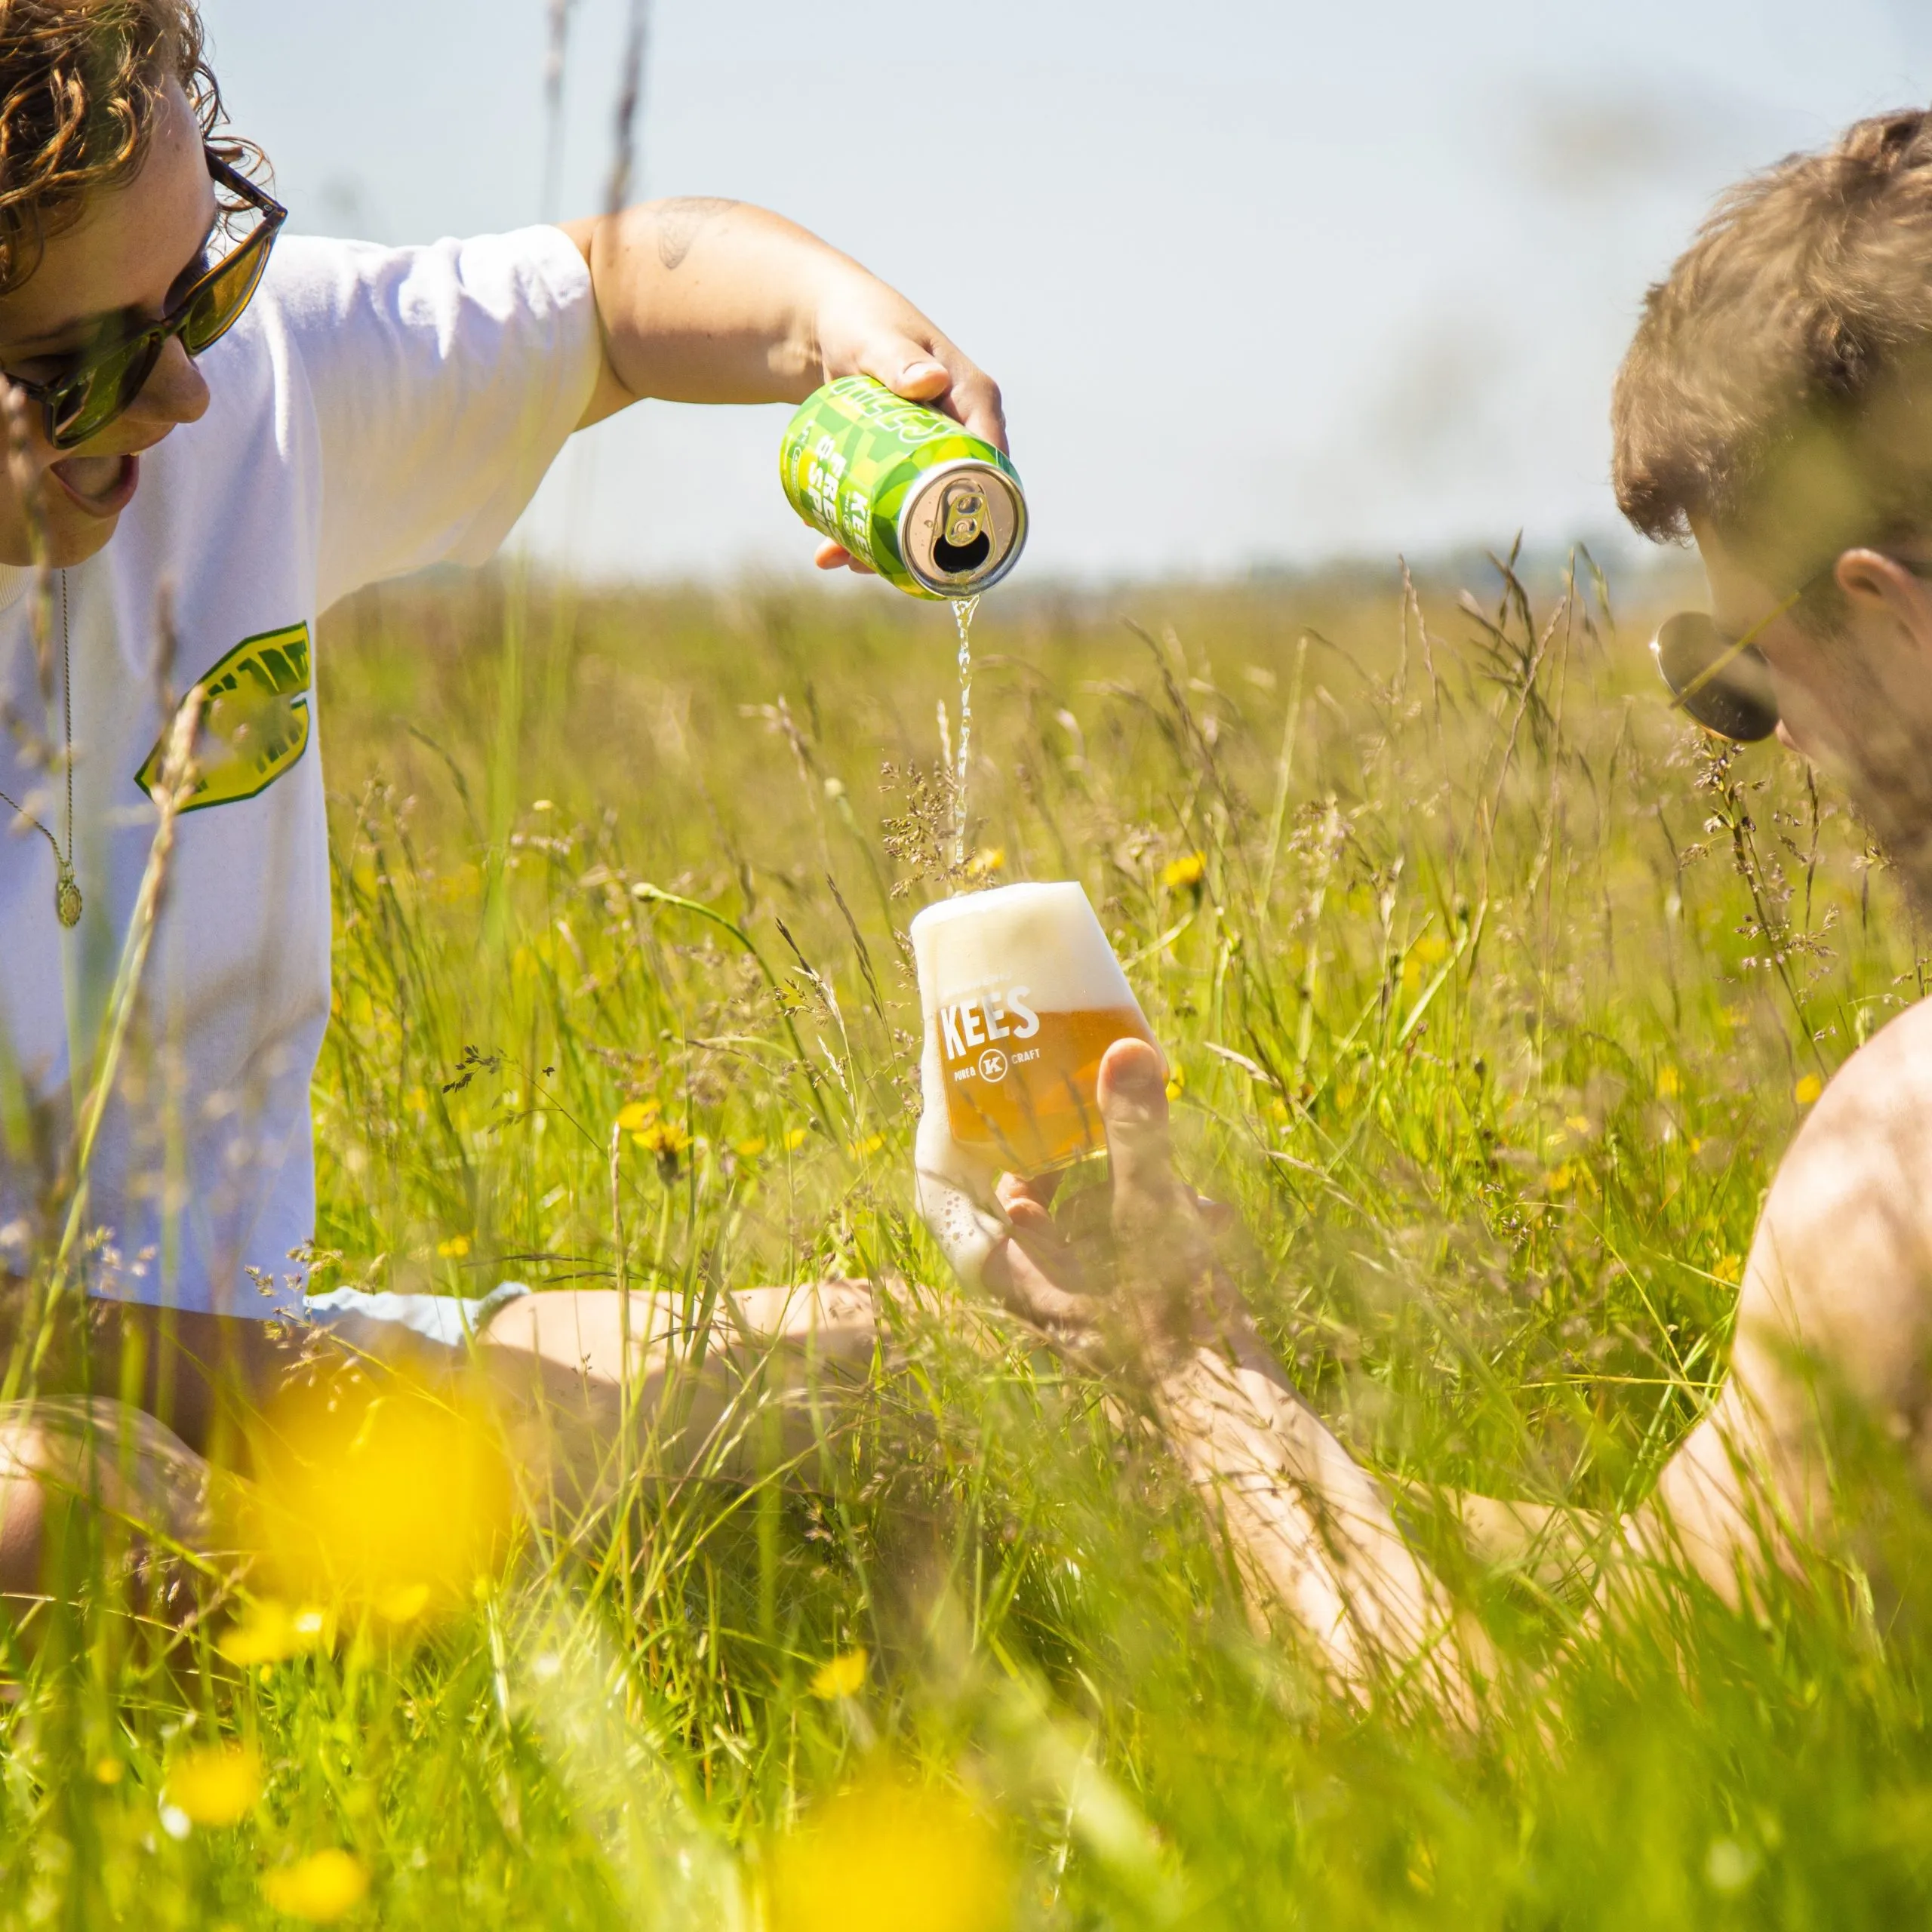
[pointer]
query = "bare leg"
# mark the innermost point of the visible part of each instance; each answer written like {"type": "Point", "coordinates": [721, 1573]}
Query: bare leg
{"type": "Point", "coordinates": [569, 1365]}
{"type": "Point", "coordinates": [60, 1452]}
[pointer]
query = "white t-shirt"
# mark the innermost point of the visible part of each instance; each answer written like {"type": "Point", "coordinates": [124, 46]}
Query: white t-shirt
{"type": "Point", "coordinates": [375, 410]}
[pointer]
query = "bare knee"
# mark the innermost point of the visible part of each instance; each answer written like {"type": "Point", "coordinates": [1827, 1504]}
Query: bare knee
{"type": "Point", "coordinates": [23, 1456]}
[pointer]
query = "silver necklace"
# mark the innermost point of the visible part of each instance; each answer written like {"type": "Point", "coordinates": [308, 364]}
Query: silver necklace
{"type": "Point", "coordinates": [67, 890]}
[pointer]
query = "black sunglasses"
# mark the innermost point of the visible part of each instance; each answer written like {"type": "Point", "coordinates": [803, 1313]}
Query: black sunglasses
{"type": "Point", "coordinates": [96, 385]}
{"type": "Point", "coordinates": [1722, 682]}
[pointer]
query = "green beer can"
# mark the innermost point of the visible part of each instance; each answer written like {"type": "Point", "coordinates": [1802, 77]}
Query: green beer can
{"type": "Point", "coordinates": [936, 511]}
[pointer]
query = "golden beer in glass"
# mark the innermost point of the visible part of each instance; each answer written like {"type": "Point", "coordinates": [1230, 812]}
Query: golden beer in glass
{"type": "Point", "coordinates": [1022, 995]}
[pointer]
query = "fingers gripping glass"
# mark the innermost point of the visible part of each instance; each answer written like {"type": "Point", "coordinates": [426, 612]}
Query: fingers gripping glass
{"type": "Point", "coordinates": [100, 383]}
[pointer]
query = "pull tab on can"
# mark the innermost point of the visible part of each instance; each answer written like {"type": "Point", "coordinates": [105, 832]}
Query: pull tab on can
{"type": "Point", "coordinates": [961, 528]}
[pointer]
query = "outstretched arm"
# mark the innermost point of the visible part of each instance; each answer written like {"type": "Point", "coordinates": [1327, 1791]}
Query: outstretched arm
{"type": "Point", "coordinates": [702, 300]}
{"type": "Point", "coordinates": [1310, 1530]}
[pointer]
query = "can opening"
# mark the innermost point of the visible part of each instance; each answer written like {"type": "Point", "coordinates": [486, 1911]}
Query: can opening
{"type": "Point", "coordinates": [957, 558]}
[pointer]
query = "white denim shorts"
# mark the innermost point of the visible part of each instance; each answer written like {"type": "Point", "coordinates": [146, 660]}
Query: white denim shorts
{"type": "Point", "coordinates": [375, 1321]}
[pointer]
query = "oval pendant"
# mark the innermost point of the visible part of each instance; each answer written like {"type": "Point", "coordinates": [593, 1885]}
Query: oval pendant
{"type": "Point", "coordinates": [67, 898]}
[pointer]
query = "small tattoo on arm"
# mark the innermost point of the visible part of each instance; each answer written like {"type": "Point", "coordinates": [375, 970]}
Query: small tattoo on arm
{"type": "Point", "coordinates": [680, 220]}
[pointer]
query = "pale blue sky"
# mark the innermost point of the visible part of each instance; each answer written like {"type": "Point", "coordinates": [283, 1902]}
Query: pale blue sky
{"type": "Point", "coordinates": [1264, 282]}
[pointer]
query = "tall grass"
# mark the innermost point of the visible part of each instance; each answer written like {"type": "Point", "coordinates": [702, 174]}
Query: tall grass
{"type": "Point", "coordinates": [1492, 994]}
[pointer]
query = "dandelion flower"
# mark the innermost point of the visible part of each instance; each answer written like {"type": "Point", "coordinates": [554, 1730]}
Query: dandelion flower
{"type": "Point", "coordinates": [1668, 1084]}
{"type": "Point", "coordinates": [1807, 1090]}
{"type": "Point", "coordinates": [750, 1150]}
{"type": "Point", "coordinates": [888, 1856]}
{"type": "Point", "coordinates": [455, 1248]}
{"type": "Point", "coordinates": [666, 1139]}
{"type": "Point", "coordinates": [795, 1139]}
{"type": "Point", "coordinates": [269, 1632]}
{"type": "Point", "coordinates": [635, 1117]}
{"type": "Point", "coordinates": [320, 1888]}
{"type": "Point", "coordinates": [1183, 874]}
{"type": "Point", "coordinates": [843, 1676]}
{"type": "Point", "coordinates": [370, 1492]}
{"type": "Point", "coordinates": [214, 1786]}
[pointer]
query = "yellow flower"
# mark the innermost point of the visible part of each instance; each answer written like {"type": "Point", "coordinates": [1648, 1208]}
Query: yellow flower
{"type": "Point", "coordinates": [796, 1139]}
{"type": "Point", "coordinates": [217, 1785]}
{"type": "Point", "coordinates": [389, 1498]}
{"type": "Point", "coordinates": [870, 1145]}
{"type": "Point", "coordinates": [887, 1857]}
{"type": "Point", "coordinates": [269, 1632]}
{"type": "Point", "coordinates": [1668, 1083]}
{"type": "Point", "coordinates": [403, 1604]}
{"type": "Point", "coordinates": [666, 1139]}
{"type": "Point", "coordinates": [844, 1676]}
{"type": "Point", "coordinates": [417, 1099]}
{"type": "Point", "coordinates": [108, 1770]}
{"type": "Point", "coordinates": [1431, 949]}
{"type": "Point", "coordinates": [1177, 874]}
{"type": "Point", "coordinates": [1560, 1181]}
{"type": "Point", "coordinates": [987, 860]}
{"type": "Point", "coordinates": [1177, 1083]}
{"type": "Point", "coordinates": [1580, 1125]}
{"type": "Point", "coordinates": [455, 1248]}
{"type": "Point", "coordinates": [1807, 1090]}
{"type": "Point", "coordinates": [320, 1888]}
{"type": "Point", "coordinates": [635, 1117]}
{"type": "Point", "coordinates": [1728, 1268]}
{"type": "Point", "coordinates": [750, 1150]}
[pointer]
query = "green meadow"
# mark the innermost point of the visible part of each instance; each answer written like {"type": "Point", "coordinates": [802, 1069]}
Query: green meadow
{"type": "Point", "coordinates": [1493, 993]}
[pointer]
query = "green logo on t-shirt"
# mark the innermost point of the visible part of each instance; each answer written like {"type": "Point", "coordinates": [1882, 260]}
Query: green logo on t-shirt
{"type": "Point", "coordinates": [254, 721]}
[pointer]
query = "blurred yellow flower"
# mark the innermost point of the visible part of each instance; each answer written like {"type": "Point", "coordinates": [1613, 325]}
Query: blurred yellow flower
{"type": "Point", "coordinates": [1580, 1125]}
{"type": "Point", "coordinates": [1560, 1181]}
{"type": "Point", "coordinates": [108, 1770]}
{"type": "Point", "coordinates": [639, 1114]}
{"type": "Point", "coordinates": [1728, 1268]}
{"type": "Point", "coordinates": [268, 1632]}
{"type": "Point", "coordinates": [796, 1139]}
{"type": "Point", "coordinates": [320, 1888]}
{"type": "Point", "coordinates": [215, 1786]}
{"type": "Point", "coordinates": [987, 860]}
{"type": "Point", "coordinates": [455, 1248]}
{"type": "Point", "coordinates": [382, 1494]}
{"type": "Point", "coordinates": [750, 1150]}
{"type": "Point", "coordinates": [843, 1676]}
{"type": "Point", "coordinates": [887, 1858]}
{"type": "Point", "coordinates": [1668, 1083]}
{"type": "Point", "coordinates": [1177, 1083]}
{"type": "Point", "coordinates": [1431, 949]}
{"type": "Point", "coordinates": [417, 1099]}
{"type": "Point", "coordinates": [1807, 1090]}
{"type": "Point", "coordinates": [870, 1144]}
{"type": "Point", "coordinates": [666, 1139]}
{"type": "Point", "coordinates": [1179, 873]}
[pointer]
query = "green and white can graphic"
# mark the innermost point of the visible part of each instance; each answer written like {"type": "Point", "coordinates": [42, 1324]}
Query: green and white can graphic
{"type": "Point", "coordinates": [933, 509]}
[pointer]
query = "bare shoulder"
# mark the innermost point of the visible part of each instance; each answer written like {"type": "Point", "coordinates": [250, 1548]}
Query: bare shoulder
{"type": "Point", "coordinates": [1871, 1127]}
{"type": "Point", "coordinates": [1843, 1253]}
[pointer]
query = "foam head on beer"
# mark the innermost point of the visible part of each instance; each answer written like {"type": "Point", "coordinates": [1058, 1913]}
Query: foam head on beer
{"type": "Point", "coordinates": [1022, 996]}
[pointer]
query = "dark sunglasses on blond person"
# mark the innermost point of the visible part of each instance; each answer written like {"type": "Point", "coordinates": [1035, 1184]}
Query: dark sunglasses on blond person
{"type": "Point", "coordinates": [1722, 682]}
{"type": "Point", "coordinates": [80, 394]}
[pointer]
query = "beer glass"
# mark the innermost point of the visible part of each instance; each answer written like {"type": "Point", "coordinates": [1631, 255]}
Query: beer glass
{"type": "Point", "coordinates": [1022, 995]}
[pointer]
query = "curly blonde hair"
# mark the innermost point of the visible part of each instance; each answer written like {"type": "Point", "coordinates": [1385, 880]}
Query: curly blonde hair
{"type": "Point", "coordinates": [81, 84]}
